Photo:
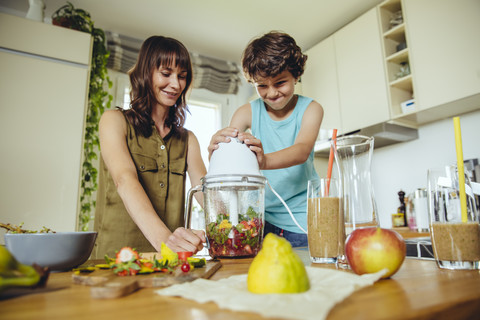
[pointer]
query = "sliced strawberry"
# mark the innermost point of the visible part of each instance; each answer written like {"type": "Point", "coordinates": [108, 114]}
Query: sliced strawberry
{"type": "Point", "coordinates": [126, 254]}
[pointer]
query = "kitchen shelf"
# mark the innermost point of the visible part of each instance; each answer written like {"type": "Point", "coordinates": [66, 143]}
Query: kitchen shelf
{"type": "Point", "coordinates": [398, 95]}
{"type": "Point", "coordinates": [404, 83]}
{"type": "Point", "coordinates": [387, 13]}
{"type": "Point", "coordinates": [396, 55]}
{"type": "Point", "coordinates": [397, 32]}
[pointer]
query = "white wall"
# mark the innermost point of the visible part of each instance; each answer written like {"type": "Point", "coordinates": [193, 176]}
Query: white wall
{"type": "Point", "coordinates": [404, 166]}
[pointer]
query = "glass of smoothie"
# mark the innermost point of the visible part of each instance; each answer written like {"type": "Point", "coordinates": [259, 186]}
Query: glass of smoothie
{"type": "Point", "coordinates": [455, 232]}
{"type": "Point", "coordinates": [326, 228]}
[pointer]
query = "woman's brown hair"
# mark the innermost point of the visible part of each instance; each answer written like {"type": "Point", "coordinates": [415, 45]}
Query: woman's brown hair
{"type": "Point", "coordinates": [270, 55]}
{"type": "Point", "coordinates": [157, 51]}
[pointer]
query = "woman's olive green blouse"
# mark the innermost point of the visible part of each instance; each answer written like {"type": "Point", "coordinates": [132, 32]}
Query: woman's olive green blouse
{"type": "Point", "coordinates": [161, 167]}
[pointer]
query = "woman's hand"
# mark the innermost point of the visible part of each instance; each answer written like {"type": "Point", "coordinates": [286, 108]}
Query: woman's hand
{"type": "Point", "coordinates": [222, 135]}
{"type": "Point", "coordinates": [255, 145]}
{"type": "Point", "coordinates": [186, 240]}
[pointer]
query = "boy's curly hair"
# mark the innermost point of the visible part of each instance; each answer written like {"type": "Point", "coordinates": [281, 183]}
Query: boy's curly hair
{"type": "Point", "coordinates": [272, 54]}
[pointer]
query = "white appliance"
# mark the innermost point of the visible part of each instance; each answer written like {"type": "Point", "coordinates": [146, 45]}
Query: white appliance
{"type": "Point", "coordinates": [43, 94]}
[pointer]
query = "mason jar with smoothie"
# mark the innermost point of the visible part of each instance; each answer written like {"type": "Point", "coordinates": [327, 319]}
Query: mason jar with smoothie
{"type": "Point", "coordinates": [455, 231]}
{"type": "Point", "coordinates": [326, 231]}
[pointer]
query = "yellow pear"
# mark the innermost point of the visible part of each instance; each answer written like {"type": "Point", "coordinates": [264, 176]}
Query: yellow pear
{"type": "Point", "coordinates": [277, 269]}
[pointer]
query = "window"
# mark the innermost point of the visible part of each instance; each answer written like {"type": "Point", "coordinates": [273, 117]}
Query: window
{"type": "Point", "coordinates": [203, 120]}
{"type": "Point", "coordinates": [126, 98]}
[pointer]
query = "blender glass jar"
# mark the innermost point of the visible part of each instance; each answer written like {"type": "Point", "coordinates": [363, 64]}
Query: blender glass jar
{"type": "Point", "coordinates": [234, 214]}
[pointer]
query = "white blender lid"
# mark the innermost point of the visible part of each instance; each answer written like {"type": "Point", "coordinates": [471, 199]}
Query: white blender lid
{"type": "Point", "coordinates": [233, 158]}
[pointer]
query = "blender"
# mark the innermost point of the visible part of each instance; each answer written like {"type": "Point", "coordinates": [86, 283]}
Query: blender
{"type": "Point", "coordinates": [234, 197]}
{"type": "Point", "coordinates": [233, 202]}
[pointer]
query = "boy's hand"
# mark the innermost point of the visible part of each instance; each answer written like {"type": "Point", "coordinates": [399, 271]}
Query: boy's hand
{"type": "Point", "coordinates": [255, 145]}
{"type": "Point", "coordinates": [222, 135]}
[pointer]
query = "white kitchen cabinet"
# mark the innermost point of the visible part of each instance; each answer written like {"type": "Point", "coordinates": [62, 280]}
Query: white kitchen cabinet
{"type": "Point", "coordinates": [445, 40]}
{"type": "Point", "coordinates": [361, 73]}
{"type": "Point", "coordinates": [346, 75]}
{"type": "Point", "coordinates": [43, 96]}
{"type": "Point", "coordinates": [443, 49]}
{"type": "Point", "coordinates": [319, 81]}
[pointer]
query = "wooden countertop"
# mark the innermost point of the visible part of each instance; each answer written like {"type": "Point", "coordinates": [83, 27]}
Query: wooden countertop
{"type": "Point", "coordinates": [406, 233]}
{"type": "Point", "coordinates": [419, 290]}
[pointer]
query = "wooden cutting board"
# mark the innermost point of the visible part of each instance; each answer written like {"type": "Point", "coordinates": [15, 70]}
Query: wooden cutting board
{"type": "Point", "coordinates": [107, 285]}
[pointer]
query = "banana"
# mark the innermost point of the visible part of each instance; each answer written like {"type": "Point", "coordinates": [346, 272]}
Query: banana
{"type": "Point", "coordinates": [14, 273]}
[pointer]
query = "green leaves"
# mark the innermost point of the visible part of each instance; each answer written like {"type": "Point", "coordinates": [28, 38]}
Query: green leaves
{"type": "Point", "coordinates": [251, 213]}
{"type": "Point", "coordinates": [98, 99]}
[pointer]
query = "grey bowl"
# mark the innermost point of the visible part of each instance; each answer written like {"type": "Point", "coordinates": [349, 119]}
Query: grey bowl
{"type": "Point", "coordinates": [59, 251]}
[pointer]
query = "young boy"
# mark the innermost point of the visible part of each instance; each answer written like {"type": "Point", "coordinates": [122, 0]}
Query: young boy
{"type": "Point", "coordinates": [284, 127]}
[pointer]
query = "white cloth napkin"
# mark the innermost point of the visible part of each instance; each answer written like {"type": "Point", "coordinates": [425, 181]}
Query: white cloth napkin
{"type": "Point", "coordinates": [327, 288]}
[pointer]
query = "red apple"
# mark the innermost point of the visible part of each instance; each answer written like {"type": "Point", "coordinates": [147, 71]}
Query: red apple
{"type": "Point", "coordinates": [372, 249]}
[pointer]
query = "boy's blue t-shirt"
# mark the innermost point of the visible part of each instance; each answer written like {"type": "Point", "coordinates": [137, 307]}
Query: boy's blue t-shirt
{"type": "Point", "coordinates": [290, 183]}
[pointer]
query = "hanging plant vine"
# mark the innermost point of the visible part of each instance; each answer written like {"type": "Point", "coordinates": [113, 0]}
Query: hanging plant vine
{"type": "Point", "coordinates": [98, 99]}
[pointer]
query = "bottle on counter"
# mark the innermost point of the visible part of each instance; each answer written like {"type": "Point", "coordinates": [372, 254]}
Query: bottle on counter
{"type": "Point", "coordinates": [399, 219]}
{"type": "Point", "coordinates": [402, 208]}
{"type": "Point", "coordinates": [418, 209]}
{"type": "Point", "coordinates": [411, 218]}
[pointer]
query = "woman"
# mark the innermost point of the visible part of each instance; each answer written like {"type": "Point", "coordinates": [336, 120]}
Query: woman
{"type": "Point", "coordinates": [145, 154]}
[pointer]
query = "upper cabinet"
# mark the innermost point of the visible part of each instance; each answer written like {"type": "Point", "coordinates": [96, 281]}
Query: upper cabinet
{"type": "Point", "coordinates": [406, 62]}
{"type": "Point", "coordinates": [345, 74]}
{"type": "Point", "coordinates": [361, 74]}
{"type": "Point", "coordinates": [319, 82]}
{"type": "Point", "coordinates": [44, 80]}
{"type": "Point", "coordinates": [437, 43]}
{"type": "Point", "coordinates": [45, 40]}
